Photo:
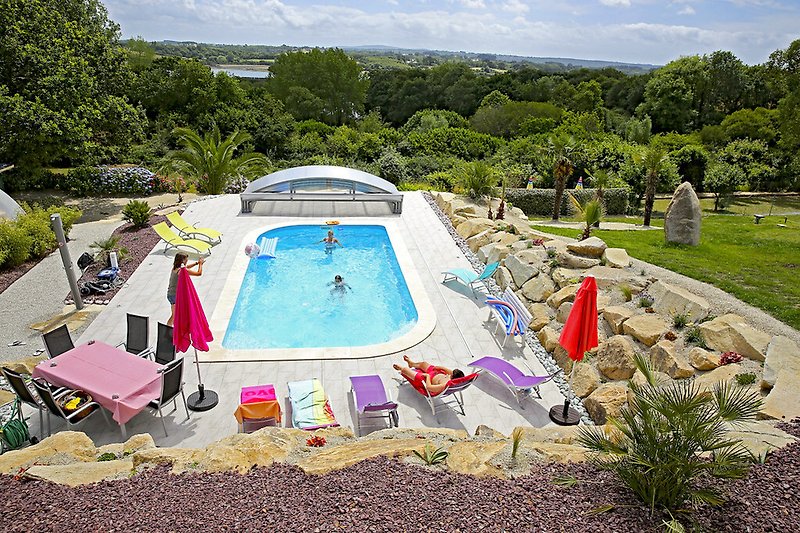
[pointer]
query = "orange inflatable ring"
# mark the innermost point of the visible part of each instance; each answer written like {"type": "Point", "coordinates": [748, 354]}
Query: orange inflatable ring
{"type": "Point", "coordinates": [332, 222]}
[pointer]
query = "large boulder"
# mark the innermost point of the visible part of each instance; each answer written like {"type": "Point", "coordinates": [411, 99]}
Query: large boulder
{"type": "Point", "coordinates": [730, 333]}
{"type": "Point", "coordinates": [344, 455]}
{"type": "Point", "coordinates": [562, 359]}
{"type": "Point", "coordinates": [609, 278]}
{"type": "Point", "coordinates": [606, 401]}
{"type": "Point", "coordinates": [616, 315]}
{"type": "Point", "coordinates": [566, 294]}
{"type": "Point", "coordinates": [671, 300]}
{"type": "Point", "coordinates": [570, 260]}
{"type": "Point", "coordinates": [76, 474]}
{"type": "Point", "coordinates": [504, 278]}
{"type": "Point", "coordinates": [683, 215]}
{"type": "Point", "coordinates": [702, 359]}
{"type": "Point", "coordinates": [522, 266]}
{"type": "Point", "coordinates": [722, 374]}
{"type": "Point", "coordinates": [591, 247]}
{"type": "Point", "coordinates": [781, 403]}
{"type": "Point", "coordinates": [616, 258]}
{"type": "Point", "coordinates": [493, 252]}
{"type": "Point", "coordinates": [563, 311]}
{"type": "Point", "coordinates": [760, 437]}
{"type": "Point", "coordinates": [62, 448]}
{"type": "Point", "coordinates": [443, 198]}
{"type": "Point", "coordinates": [782, 353]}
{"type": "Point", "coordinates": [666, 359]}
{"type": "Point", "coordinates": [541, 316]}
{"type": "Point", "coordinates": [474, 458]}
{"type": "Point", "coordinates": [548, 338]}
{"type": "Point", "coordinates": [480, 240]}
{"type": "Point", "coordinates": [567, 276]}
{"type": "Point", "coordinates": [538, 289]}
{"type": "Point", "coordinates": [615, 357]}
{"type": "Point", "coordinates": [505, 238]}
{"type": "Point", "coordinates": [585, 379]}
{"type": "Point", "coordinates": [473, 226]}
{"type": "Point", "coordinates": [647, 328]}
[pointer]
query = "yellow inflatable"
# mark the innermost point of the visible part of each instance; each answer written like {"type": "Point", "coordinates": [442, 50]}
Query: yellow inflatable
{"type": "Point", "coordinates": [332, 222]}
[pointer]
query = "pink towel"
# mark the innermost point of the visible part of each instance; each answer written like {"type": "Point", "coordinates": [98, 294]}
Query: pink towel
{"type": "Point", "coordinates": [190, 325]}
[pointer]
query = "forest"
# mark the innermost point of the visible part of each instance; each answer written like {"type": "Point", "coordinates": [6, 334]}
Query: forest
{"type": "Point", "coordinates": [86, 99]}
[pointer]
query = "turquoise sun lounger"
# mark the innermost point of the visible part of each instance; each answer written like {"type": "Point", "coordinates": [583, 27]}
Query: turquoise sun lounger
{"type": "Point", "coordinates": [469, 277]}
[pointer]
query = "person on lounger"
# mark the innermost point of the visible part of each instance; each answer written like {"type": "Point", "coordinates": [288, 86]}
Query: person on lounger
{"type": "Point", "coordinates": [330, 242]}
{"type": "Point", "coordinates": [434, 377]}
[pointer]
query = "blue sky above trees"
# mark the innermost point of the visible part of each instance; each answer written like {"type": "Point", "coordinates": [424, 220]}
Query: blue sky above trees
{"type": "Point", "coordinates": [645, 31]}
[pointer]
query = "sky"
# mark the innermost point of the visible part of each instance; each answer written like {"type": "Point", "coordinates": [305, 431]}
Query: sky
{"type": "Point", "coordinates": [633, 31]}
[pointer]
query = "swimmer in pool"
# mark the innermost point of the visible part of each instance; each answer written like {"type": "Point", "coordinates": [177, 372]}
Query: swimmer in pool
{"type": "Point", "coordinates": [330, 242]}
{"type": "Point", "coordinates": [339, 287]}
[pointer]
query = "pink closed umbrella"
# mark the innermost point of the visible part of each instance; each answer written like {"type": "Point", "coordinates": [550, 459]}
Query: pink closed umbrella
{"type": "Point", "coordinates": [190, 327]}
{"type": "Point", "coordinates": [578, 337]}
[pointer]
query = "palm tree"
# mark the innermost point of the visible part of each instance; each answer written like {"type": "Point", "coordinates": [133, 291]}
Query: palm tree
{"type": "Point", "coordinates": [560, 149]}
{"type": "Point", "coordinates": [672, 435]}
{"type": "Point", "coordinates": [600, 181]}
{"type": "Point", "coordinates": [654, 159]}
{"type": "Point", "coordinates": [478, 179]}
{"type": "Point", "coordinates": [209, 160]}
{"type": "Point", "coordinates": [590, 214]}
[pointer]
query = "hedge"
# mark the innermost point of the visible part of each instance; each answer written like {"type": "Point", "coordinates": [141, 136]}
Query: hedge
{"type": "Point", "coordinates": [87, 181]}
{"type": "Point", "coordinates": [539, 202]}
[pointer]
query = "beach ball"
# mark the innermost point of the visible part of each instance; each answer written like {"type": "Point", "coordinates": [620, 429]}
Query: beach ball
{"type": "Point", "coordinates": [252, 250]}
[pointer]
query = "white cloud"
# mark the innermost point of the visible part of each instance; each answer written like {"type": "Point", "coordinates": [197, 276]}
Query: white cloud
{"type": "Point", "coordinates": [515, 6]}
{"type": "Point", "coordinates": [616, 3]}
{"type": "Point", "coordinates": [472, 4]}
{"type": "Point", "coordinates": [686, 10]}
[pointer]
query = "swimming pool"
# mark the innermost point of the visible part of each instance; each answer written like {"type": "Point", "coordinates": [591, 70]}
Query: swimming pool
{"type": "Point", "coordinates": [290, 302]}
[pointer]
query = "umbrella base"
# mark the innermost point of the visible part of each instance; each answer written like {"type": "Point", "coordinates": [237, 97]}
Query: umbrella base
{"type": "Point", "coordinates": [202, 400]}
{"type": "Point", "coordinates": [563, 415]}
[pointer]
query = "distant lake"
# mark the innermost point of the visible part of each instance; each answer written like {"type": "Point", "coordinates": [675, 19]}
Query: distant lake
{"type": "Point", "coordinates": [242, 73]}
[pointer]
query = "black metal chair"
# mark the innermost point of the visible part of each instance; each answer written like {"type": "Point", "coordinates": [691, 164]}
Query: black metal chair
{"type": "Point", "coordinates": [58, 341]}
{"type": "Point", "coordinates": [50, 400]}
{"type": "Point", "coordinates": [171, 387]}
{"type": "Point", "coordinates": [165, 349]}
{"type": "Point", "coordinates": [17, 382]}
{"type": "Point", "coordinates": [138, 336]}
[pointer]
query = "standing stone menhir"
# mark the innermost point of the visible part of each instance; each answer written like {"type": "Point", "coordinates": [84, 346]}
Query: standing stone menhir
{"type": "Point", "coordinates": [682, 219]}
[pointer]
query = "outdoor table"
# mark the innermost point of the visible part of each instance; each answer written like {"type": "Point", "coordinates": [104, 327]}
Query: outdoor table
{"type": "Point", "coordinates": [121, 382]}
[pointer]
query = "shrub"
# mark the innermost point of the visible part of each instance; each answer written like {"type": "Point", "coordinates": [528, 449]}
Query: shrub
{"type": "Point", "coordinates": [539, 202]}
{"type": "Point", "coordinates": [106, 246]}
{"type": "Point", "coordinates": [645, 300]}
{"type": "Point", "coordinates": [729, 357]}
{"type": "Point", "coordinates": [627, 292]}
{"type": "Point", "coordinates": [477, 178]}
{"type": "Point", "coordinates": [236, 185]}
{"type": "Point", "coordinates": [392, 166]}
{"type": "Point", "coordinates": [137, 212]}
{"type": "Point", "coordinates": [746, 378]}
{"type": "Point", "coordinates": [679, 320]}
{"type": "Point", "coordinates": [660, 443]}
{"type": "Point", "coordinates": [85, 180]}
{"type": "Point", "coordinates": [441, 181]}
{"type": "Point", "coordinates": [695, 336]}
{"type": "Point", "coordinates": [432, 456]}
{"type": "Point", "coordinates": [36, 223]}
{"type": "Point", "coordinates": [15, 244]}
{"type": "Point", "coordinates": [81, 181]}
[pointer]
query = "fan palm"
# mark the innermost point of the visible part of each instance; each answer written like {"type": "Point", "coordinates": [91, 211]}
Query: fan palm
{"type": "Point", "coordinates": [654, 159]}
{"type": "Point", "coordinates": [590, 214]}
{"type": "Point", "coordinates": [478, 179]}
{"type": "Point", "coordinates": [672, 435]}
{"type": "Point", "coordinates": [560, 149]}
{"type": "Point", "coordinates": [209, 160]}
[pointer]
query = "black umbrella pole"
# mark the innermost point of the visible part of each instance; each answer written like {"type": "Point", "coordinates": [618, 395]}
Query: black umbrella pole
{"type": "Point", "coordinates": [203, 399]}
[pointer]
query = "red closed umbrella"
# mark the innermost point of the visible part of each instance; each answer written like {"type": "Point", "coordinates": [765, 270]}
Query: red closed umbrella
{"type": "Point", "coordinates": [578, 337]}
{"type": "Point", "coordinates": [190, 327]}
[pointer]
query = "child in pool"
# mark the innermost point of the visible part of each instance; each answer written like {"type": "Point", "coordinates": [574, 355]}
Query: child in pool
{"type": "Point", "coordinates": [339, 286]}
{"type": "Point", "coordinates": [330, 242]}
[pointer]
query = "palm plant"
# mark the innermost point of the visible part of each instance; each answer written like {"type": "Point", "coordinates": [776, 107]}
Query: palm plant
{"type": "Point", "coordinates": [654, 159]}
{"type": "Point", "coordinates": [590, 213]}
{"type": "Point", "coordinates": [104, 248]}
{"type": "Point", "coordinates": [210, 159]}
{"type": "Point", "coordinates": [670, 436]}
{"type": "Point", "coordinates": [600, 180]}
{"type": "Point", "coordinates": [478, 179]}
{"type": "Point", "coordinates": [560, 149]}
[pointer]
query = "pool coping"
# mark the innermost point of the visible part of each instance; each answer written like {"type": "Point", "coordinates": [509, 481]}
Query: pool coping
{"type": "Point", "coordinates": [426, 316]}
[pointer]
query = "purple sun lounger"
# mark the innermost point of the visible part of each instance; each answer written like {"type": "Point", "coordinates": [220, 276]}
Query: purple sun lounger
{"type": "Point", "coordinates": [372, 401]}
{"type": "Point", "coordinates": [517, 382]}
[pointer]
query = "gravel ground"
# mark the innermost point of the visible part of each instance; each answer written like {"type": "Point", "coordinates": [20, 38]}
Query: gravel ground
{"type": "Point", "coordinates": [384, 494]}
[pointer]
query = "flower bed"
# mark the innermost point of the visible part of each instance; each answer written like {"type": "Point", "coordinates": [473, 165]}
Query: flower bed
{"type": "Point", "coordinates": [123, 180]}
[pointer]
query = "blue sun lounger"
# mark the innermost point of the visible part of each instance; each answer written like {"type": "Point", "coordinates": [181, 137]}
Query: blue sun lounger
{"type": "Point", "coordinates": [470, 278]}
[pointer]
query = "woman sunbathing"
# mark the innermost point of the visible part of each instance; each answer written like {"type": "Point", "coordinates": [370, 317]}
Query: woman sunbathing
{"type": "Point", "coordinates": [434, 378]}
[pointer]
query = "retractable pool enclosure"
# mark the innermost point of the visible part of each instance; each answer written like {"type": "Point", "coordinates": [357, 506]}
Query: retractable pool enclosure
{"type": "Point", "coordinates": [321, 183]}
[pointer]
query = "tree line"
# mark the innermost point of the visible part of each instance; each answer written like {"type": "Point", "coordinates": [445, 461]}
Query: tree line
{"type": "Point", "coordinates": [86, 98]}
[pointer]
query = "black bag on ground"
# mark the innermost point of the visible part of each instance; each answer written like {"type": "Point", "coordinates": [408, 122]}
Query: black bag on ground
{"type": "Point", "coordinates": [85, 260]}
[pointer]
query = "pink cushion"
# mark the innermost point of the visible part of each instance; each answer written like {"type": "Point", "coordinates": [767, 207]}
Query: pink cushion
{"type": "Point", "coordinates": [258, 393]}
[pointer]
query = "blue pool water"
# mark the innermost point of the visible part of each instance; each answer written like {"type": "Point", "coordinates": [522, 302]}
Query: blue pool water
{"type": "Point", "coordinates": [286, 302]}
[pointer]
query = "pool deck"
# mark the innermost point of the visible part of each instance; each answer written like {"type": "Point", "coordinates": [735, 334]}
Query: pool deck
{"type": "Point", "coordinates": [461, 333]}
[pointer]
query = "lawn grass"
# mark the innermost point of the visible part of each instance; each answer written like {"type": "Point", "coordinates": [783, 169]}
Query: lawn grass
{"type": "Point", "coordinates": [757, 263]}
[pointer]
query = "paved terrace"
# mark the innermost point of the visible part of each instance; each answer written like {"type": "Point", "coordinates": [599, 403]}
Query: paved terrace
{"type": "Point", "coordinates": [461, 333]}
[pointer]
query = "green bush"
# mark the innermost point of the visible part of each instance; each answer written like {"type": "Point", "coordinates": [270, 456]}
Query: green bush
{"type": "Point", "coordinates": [539, 202]}
{"type": "Point", "coordinates": [81, 181]}
{"type": "Point", "coordinates": [15, 244]}
{"type": "Point", "coordinates": [35, 222]}
{"type": "Point", "coordinates": [459, 142]}
{"type": "Point", "coordinates": [137, 212]}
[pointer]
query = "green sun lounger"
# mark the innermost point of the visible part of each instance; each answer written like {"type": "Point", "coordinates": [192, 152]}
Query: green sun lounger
{"type": "Point", "coordinates": [469, 277]}
{"type": "Point", "coordinates": [175, 241]}
{"type": "Point", "coordinates": [184, 228]}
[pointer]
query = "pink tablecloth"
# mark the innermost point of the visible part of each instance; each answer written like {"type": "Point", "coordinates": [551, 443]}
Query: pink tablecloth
{"type": "Point", "coordinates": [119, 381]}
